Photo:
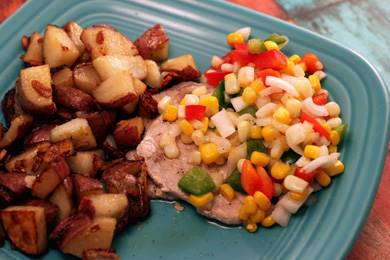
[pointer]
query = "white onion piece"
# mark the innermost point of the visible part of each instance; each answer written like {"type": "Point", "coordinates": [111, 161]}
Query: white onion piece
{"type": "Point", "coordinates": [321, 161]}
{"type": "Point", "coordinates": [320, 74]}
{"type": "Point", "coordinates": [223, 124]}
{"type": "Point", "coordinates": [262, 101]}
{"type": "Point", "coordinates": [282, 84]}
{"type": "Point", "coordinates": [308, 106]}
{"type": "Point", "coordinates": [281, 216]}
{"type": "Point", "coordinates": [264, 121]}
{"type": "Point", "coordinates": [246, 117]}
{"type": "Point", "coordinates": [291, 205]}
{"type": "Point", "coordinates": [235, 155]}
{"type": "Point", "coordinates": [270, 90]}
{"type": "Point", "coordinates": [324, 150]}
{"type": "Point", "coordinates": [223, 145]}
{"type": "Point", "coordinates": [266, 110]}
{"type": "Point", "coordinates": [321, 140]}
{"type": "Point", "coordinates": [238, 103]}
{"type": "Point", "coordinates": [295, 134]}
{"type": "Point", "coordinates": [245, 32]}
{"type": "Point", "coordinates": [279, 126]}
{"type": "Point", "coordinates": [293, 183]}
{"type": "Point", "coordinates": [302, 161]}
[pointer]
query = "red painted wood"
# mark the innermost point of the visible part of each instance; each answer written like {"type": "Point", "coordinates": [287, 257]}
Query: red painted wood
{"type": "Point", "coordinates": [374, 240]}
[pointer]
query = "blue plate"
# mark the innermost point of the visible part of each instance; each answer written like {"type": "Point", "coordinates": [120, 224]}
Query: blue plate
{"type": "Point", "coordinates": [326, 230]}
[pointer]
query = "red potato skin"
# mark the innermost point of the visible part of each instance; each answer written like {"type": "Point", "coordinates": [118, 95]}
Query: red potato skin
{"type": "Point", "coordinates": [73, 98]}
{"type": "Point", "coordinates": [151, 41]}
{"type": "Point", "coordinates": [38, 135]}
{"type": "Point", "coordinates": [86, 186]}
{"type": "Point", "coordinates": [147, 105]}
{"type": "Point", "coordinates": [10, 106]}
{"type": "Point", "coordinates": [120, 102]}
{"type": "Point", "coordinates": [12, 188]}
{"type": "Point", "coordinates": [128, 133]}
{"type": "Point", "coordinates": [100, 254]}
{"type": "Point", "coordinates": [173, 77]}
{"type": "Point", "coordinates": [101, 123]}
{"type": "Point", "coordinates": [60, 149]}
{"type": "Point", "coordinates": [51, 211]}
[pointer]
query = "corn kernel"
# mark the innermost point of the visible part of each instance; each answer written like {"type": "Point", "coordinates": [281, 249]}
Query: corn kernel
{"type": "Point", "coordinates": [198, 137]}
{"type": "Point", "coordinates": [231, 84]}
{"type": "Point", "coordinates": [245, 76]}
{"type": "Point", "coordinates": [163, 103]}
{"type": "Point", "coordinates": [332, 149]}
{"type": "Point", "coordinates": [298, 196]}
{"type": "Point", "coordinates": [315, 82]}
{"type": "Point", "coordinates": [334, 137]}
{"type": "Point", "coordinates": [257, 85]}
{"type": "Point", "coordinates": [323, 179]}
{"type": "Point", "coordinates": [271, 45]}
{"type": "Point", "coordinates": [249, 205]}
{"type": "Point", "coordinates": [251, 227]}
{"type": "Point", "coordinates": [335, 169]}
{"type": "Point", "coordinates": [227, 191]}
{"type": "Point", "coordinates": [211, 104]}
{"type": "Point", "coordinates": [205, 125]}
{"type": "Point", "coordinates": [333, 109]}
{"type": "Point", "coordinates": [282, 115]}
{"type": "Point", "coordinates": [289, 69]}
{"type": "Point", "coordinates": [243, 130]}
{"type": "Point", "coordinates": [186, 127]}
{"type": "Point", "coordinates": [259, 158]}
{"type": "Point", "coordinates": [195, 158]}
{"type": "Point", "coordinates": [170, 113]}
{"type": "Point", "coordinates": [255, 132]}
{"type": "Point", "coordinates": [280, 170]}
{"type": "Point", "coordinates": [202, 200]}
{"type": "Point", "coordinates": [200, 91]}
{"type": "Point", "coordinates": [242, 214]}
{"type": "Point", "coordinates": [295, 58]}
{"type": "Point", "coordinates": [249, 96]}
{"type": "Point", "coordinates": [294, 107]}
{"type": "Point", "coordinates": [262, 201]}
{"type": "Point", "coordinates": [311, 151]}
{"type": "Point", "coordinates": [268, 221]}
{"type": "Point", "coordinates": [234, 38]}
{"type": "Point", "coordinates": [171, 151]}
{"type": "Point", "coordinates": [257, 217]}
{"type": "Point", "coordinates": [209, 152]}
{"type": "Point", "coordinates": [182, 102]}
{"type": "Point", "coordinates": [269, 133]}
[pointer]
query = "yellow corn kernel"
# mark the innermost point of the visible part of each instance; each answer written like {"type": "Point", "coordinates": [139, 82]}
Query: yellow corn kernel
{"type": "Point", "coordinates": [262, 201]}
{"type": "Point", "coordinates": [332, 149]}
{"type": "Point", "coordinates": [326, 127]}
{"type": "Point", "coordinates": [259, 158]}
{"type": "Point", "coordinates": [311, 151]}
{"type": "Point", "coordinates": [335, 169]}
{"type": "Point", "coordinates": [295, 58]}
{"type": "Point", "coordinates": [202, 200]}
{"type": "Point", "coordinates": [209, 152]}
{"type": "Point", "coordinates": [249, 205]}
{"type": "Point", "coordinates": [227, 191]}
{"type": "Point", "coordinates": [234, 38]}
{"type": "Point", "coordinates": [289, 69]}
{"type": "Point", "coordinates": [298, 196]}
{"type": "Point", "coordinates": [257, 85]}
{"type": "Point", "coordinates": [303, 66]}
{"type": "Point", "coordinates": [315, 82]}
{"type": "Point", "coordinates": [271, 45]}
{"type": "Point", "coordinates": [251, 227]}
{"type": "Point", "coordinates": [183, 102]}
{"type": "Point", "coordinates": [211, 104]}
{"type": "Point", "coordinates": [170, 113]}
{"type": "Point", "coordinates": [186, 127]}
{"type": "Point", "coordinates": [205, 125]}
{"type": "Point", "coordinates": [255, 132]}
{"type": "Point", "coordinates": [242, 214]}
{"type": "Point", "coordinates": [323, 179]}
{"type": "Point", "coordinates": [268, 221]}
{"type": "Point", "coordinates": [282, 115]}
{"type": "Point", "coordinates": [269, 133]}
{"type": "Point", "coordinates": [249, 96]}
{"type": "Point", "coordinates": [280, 170]}
{"type": "Point", "coordinates": [257, 217]}
{"type": "Point", "coordinates": [334, 137]}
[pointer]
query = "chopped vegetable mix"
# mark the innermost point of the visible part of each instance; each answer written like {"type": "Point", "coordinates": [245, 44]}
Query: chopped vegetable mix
{"type": "Point", "coordinates": [196, 182]}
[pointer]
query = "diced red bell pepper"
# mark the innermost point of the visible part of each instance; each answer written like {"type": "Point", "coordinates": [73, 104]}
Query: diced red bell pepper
{"type": "Point", "coordinates": [312, 63]}
{"type": "Point", "coordinates": [316, 126]}
{"type": "Point", "coordinates": [267, 186]}
{"type": "Point", "coordinates": [214, 77]}
{"type": "Point", "coordinates": [272, 59]}
{"type": "Point", "coordinates": [320, 99]}
{"type": "Point", "coordinates": [250, 179]}
{"type": "Point", "coordinates": [307, 176]}
{"type": "Point", "coordinates": [262, 74]}
{"type": "Point", "coordinates": [195, 112]}
{"type": "Point", "coordinates": [241, 46]}
{"type": "Point", "coordinates": [242, 57]}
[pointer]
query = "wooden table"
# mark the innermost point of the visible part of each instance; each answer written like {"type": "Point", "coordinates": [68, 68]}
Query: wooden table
{"type": "Point", "coordinates": [362, 25]}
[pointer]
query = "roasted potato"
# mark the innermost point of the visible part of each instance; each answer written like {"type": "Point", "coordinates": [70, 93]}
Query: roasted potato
{"type": "Point", "coordinates": [63, 78]}
{"type": "Point", "coordinates": [26, 228]}
{"type": "Point", "coordinates": [115, 91]}
{"type": "Point", "coordinates": [13, 187]}
{"type": "Point", "coordinates": [109, 65]}
{"type": "Point", "coordinates": [170, 78]}
{"type": "Point", "coordinates": [51, 211]}
{"type": "Point", "coordinates": [73, 98]}
{"type": "Point", "coordinates": [100, 254]}
{"type": "Point", "coordinates": [62, 148]}
{"type": "Point", "coordinates": [153, 44]}
{"type": "Point", "coordinates": [63, 201]}
{"type": "Point", "coordinates": [101, 40]}
{"type": "Point", "coordinates": [74, 32]}
{"type": "Point", "coordinates": [111, 149]}
{"type": "Point", "coordinates": [101, 122]}
{"type": "Point", "coordinates": [10, 106]}
{"type": "Point", "coordinates": [78, 130]}
{"type": "Point", "coordinates": [147, 105]}
{"type": "Point", "coordinates": [38, 135]}
{"type": "Point", "coordinates": [86, 163]}
{"type": "Point", "coordinates": [18, 128]}
{"type": "Point", "coordinates": [34, 91]}
{"type": "Point", "coordinates": [58, 48]}
{"type": "Point", "coordinates": [179, 63]}
{"type": "Point", "coordinates": [85, 186]}
{"type": "Point", "coordinates": [34, 52]}
{"type": "Point", "coordinates": [50, 178]}
{"type": "Point", "coordinates": [86, 78]}
{"type": "Point", "coordinates": [128, 133]}
{"type": "Point", "coordinates": [153, 76]}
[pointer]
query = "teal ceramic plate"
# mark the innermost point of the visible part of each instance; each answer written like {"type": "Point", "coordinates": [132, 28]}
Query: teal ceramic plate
{"type": "Point", "coordinates": [326, 230]}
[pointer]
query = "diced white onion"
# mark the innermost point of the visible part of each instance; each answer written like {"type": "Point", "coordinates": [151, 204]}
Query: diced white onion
{"type": "Point", "coordinates": [191, 99]}
{"type": "Point", "coordinates": [196, 124]}
{"type": "Point", "coordinates": [223, 144]}
{"type": "Point", "coordinates": [227, 67]}
{"type": "Point", "coordinates": [282, 84]}
{"type": "Point", "coordinates": [262, 101]}
{"type": "Point", "coordinates": [216, 61]}
{"type": "Point", "coordinates": [200, 91]}
{"type": "Point", "coordinates": [270, 90]}
{"type": "Point", "coordinates": [223, 124]}
{"type": "Point", "coordinates": [298, 71]}
{"type": "Point", "coordinates": [295, 135]}
{"type": "Point", "coordinates": [238, 103]}
{"type": "Point", "coordinates": [245, 32]}
{"type": "Point", "coordinates": [245, 76]}
{"type": "Point", "coordinates": [308, 106]}
{"type": "Point", "coordinates": [29, 181]}
{"type": "Point", "coordinates": [245, 117]}
{"type": "Point", "coordinates": [294, 183]}
{"type": "Point", "coordinates": [235, 155]}
{"type": "Point", "coordinates": [320, 74]}
{"type": "Point", "coordinates": [321, 161]}
{"type": "Point", "coordinates": [279, 126]}
{"type": "Point", "coordinates": [266, 110]}
{"type": "Point", "coordinates": [291, 205]}
{"type": "Point", "coordinates": [324, 150]}
{"type": "Point", "coordinates": [302, 161]}
{"type": "Point", "coordinates": [281, 216]}
{"type": "Point", "coordinates": [264, 121]}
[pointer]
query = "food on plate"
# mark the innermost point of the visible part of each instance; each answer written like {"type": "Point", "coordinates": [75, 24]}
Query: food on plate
{"type": "Point", "coordinates": [34, 55]}
{"type": "Point", "coordinates": [153, 44]}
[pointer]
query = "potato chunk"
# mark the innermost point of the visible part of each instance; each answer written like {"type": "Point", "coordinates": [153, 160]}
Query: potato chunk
{"type": "Point", "coordinates": [63, 78]}
{"type": "Point", "coordinates": [34, 55]}
{"type": "Point", "coordinates": [153, 44]}
{"type": "Point", "coordinates": [109, 65]}
{"type": "Point", "coordinates": [128, 133]}
{"type": "Point", "coordinates": [85, 77]}
{"type": "Point", "coordinates": [18, 128]}
{"type": "Point", "coordinates": [63, 200]}
{"type": "Point", "coordinates": [74, 32]}
{"type": "Point", "coordinates": [86, 163]}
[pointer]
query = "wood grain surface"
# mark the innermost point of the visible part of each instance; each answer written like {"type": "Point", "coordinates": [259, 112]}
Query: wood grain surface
{"type": "Point", "coordinates": [363, 25]}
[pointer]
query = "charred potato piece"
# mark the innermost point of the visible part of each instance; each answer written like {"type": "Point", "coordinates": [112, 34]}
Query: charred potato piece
{"type": "Point", "coordinates": [74, 32]}
{"type": "Point", "coordinates": [63, 78]}
{"type": "Point", "coordinates": [139, 88]}
{"type": "Point", "coordinates": [170, 78]}
{"type": "Point", "coordinates": [25, 41]}
{"type": "Point", "coordinates": [110, 148]}
{"type": "Point", "coordinates": [73, 98]}
{"type": "Point", "coordinates": [147, 105]}
{"type": "Point", "coordinates": [38, 135]}
{"type": "Point", "coordinates": [100, 254]}
{"type": "Point", "coordinates": [109, 65]}
{"type": "Point", "coordinates": [12, 187]}
{"type": "Point", "coordinates": [104, 40]}
{"type": "Point", "coordinates": [78, 130]}
{"type": "Point", "coordinates": [86, 78]}
{"type": "Point", "coordinates": [58, 48]}
{"type": "Point", "coordinates": [49, 179]}
{"type": "Point", "coordinates": [115, 91]}
{"type": "Point", "coordinates": [100, 122]}
{"type": "Point", "coordinates": [86, 163]}
{"type": "Point", "coordinates": [128, 133]}
{"type": "Point", "coordinates": [179, 63]}
{"type": "Point", "coordinates": [63, 198]}
{"type": "Point", "coordinates": [34, 91]}
{"type": "Point", "coordinates": [51, 211]}
{"type": "Point", "coordinates": [34, 55]}
{"type": "Point", "coordinates": [26, 228]}
{"type": "Point", "coordinates": [63, 148]}
{"type": "Point", "coordinates": [85, 186]}
{"type": "Point", "coordinates": [153, 44]}
{"type": "Point", "coordinates": [153, 76]}
{"type": "Point", "coordinates": [18, 128]}
{"type": "Point", "coordinates": [10, 106]}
